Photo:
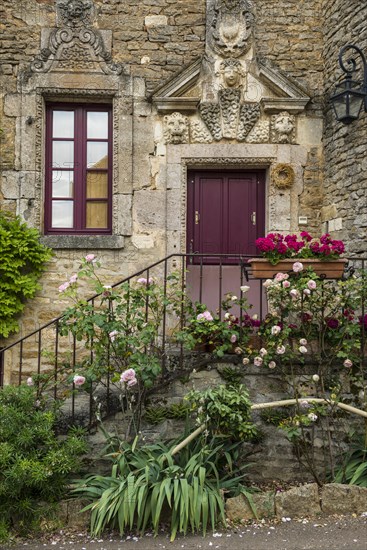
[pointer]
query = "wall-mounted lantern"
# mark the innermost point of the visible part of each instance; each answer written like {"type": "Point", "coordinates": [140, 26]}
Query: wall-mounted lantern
{"type": "Point", "coordinates": [350, 95]}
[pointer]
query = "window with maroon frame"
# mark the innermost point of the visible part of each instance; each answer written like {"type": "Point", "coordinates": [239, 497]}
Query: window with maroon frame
{"type": "Point", "coordinates": [78, 193]}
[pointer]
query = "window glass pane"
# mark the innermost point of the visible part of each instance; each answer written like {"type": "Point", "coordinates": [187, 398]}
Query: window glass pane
{"type": "Point", "coordinates": [97, 215]}
{"type": "Point", "coordinates": [63, 154]}
{"type": "Point", "coordinates": [62, 214]}
{"type": "Point", "coordinates": [97, 125]}
{"type": "Point", "coordinates": [62, 183]}
{"type": "Point", "coordinates": [97, 154]}
{"type": "Point", "coordinates": [97, 185]}
{"type": "Point", "coordinates": [63, 124]}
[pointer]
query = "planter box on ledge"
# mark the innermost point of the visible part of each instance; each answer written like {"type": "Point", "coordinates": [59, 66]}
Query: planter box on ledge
{"type": "Point", "coordinates": [331, 269]}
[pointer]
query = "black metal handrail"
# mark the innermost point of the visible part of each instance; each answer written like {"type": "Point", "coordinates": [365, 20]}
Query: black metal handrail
{"type": "Point", "coordinates": [26, 353]}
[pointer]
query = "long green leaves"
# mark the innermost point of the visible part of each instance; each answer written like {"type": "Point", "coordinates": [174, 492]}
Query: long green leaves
{"type": "Point", "coordinates": [146, 485]}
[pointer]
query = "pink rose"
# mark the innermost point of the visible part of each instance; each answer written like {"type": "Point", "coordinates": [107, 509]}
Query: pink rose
{"type": "Point", "coordinates": [73, 278]}
{"type": "Point", "coordinates": [30, 381]}
{"type": "Point", "coordinates": [113, 334]}
{"type": "Point", "coordinates": [286, 284]}
{"type": "Point", "coordinates": [302, 349]}
{"type": "Point", "coordinates": [311, 284]}
{"type": "Point", "coordinates": [294, 293]}
{"type": "Point", "coordinates": [281, 277]}
{"type": "Point", "coordinates": [89, 258]}
{"type": "Point", "coordinates": [245, 361]}
{"type": "Point", "coordinates": [128, 375]}
{"type": "Point", "coordinates": [258, 361]}
{"type": "Point", "coordinates": [272, 365]}
{"type": "Point", "coordinates": [78, 380]}
{"type": "Point", "coordinates": [144, 281]}
{"type": "Point", "coordinates": [275, 330]}
{"type": "Point", "coordinates": [297, 267]}
{"type": "Point", "coordinates": [303, 342]}
{"type": "Point", "coordinates": [233, 338]}
{"type": "Point", "coordinates": [307, 291]}
{"type": "Point", "coordinates": [263, 352]}
{"type": "Point", "coordinates": [280, 350]}
{"type": "Point", "coordinates": [205, 315]}
{"type": "Point", "coordinates": [132, 382]}
{"type": "Point", "coordinates": [64, 286]}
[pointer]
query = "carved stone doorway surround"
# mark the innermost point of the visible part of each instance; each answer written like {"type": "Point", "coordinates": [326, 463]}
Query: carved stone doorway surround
{"type": "Point", "coordinates": [281, 205]}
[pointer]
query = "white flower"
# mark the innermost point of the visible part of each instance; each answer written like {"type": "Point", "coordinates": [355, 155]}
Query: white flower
{"type": "Point", "coordinates": [255, 317]}
{"type": "Point", "coordinates": [275, 330]}
{"type": "Point", "coordinates": [272, 365]}
{"type": "Point", "coordinates": [294, 293]}
{"type": "Point", "coordinates": [227, 315]}
{"type": "Point", "coordinates": [258, 361]}
{"type": "Point", "coordinates": [30, 381]}
{"type": "Point", "coordinates": [297, 267]}
{"type": "Point", "coordinates": [312, 417]}
{"type": "Point", "coordinates": [303, 342]}
{"type": "Point", "coordinates": [244, 288]}
{"type": "Point", "coordinates": [245, 361]}
{"type": "Point", "coordinates": [315, 377]}
{"type": "Point", "coordinates": [263, 352]}
{"type": "Point", "coordinates": [234, 298]}
{"type": "Point", "coordinates": [307, 291]}
{"type": "Point", "coordinates": [348, 363]}
{"type": "Point", "coordinates": [267, 283]}
{"type": "Point", "coordinates": [302, 349]}
{"type": "Point", "coordinates": [113, 335]}
{"type": "Point", "coordinates": [280, 350]}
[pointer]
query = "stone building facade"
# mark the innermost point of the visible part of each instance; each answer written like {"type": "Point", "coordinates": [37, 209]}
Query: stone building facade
{"type": "Point", "coordinates": [190, 85]}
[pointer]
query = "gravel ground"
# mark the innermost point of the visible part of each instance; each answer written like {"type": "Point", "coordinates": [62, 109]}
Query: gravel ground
{"type": "Point", "coordinates": [332, 533]}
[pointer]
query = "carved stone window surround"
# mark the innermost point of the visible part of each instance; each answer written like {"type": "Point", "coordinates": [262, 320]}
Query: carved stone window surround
{"type": "Point", "coordinates": [42, 96]}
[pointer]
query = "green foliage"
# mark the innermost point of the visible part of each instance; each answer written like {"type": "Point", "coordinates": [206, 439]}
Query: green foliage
{"type": "Point", "coordinates": [225, 410]}
{"type": "Point", "coordinates": [34, 464]}
{"type": "Point", "coordinates": [231, 375]}
{"type": "Point", "coordinates": [148, 484]}
{"type": "Point", "coordinates": [22, 262]}
{"type": "Point", "coordinates": [354, 467]}
{"type": "Point", "coordinates": [155, 414]}
{"type": "Point", "coordinates": [274, 416]}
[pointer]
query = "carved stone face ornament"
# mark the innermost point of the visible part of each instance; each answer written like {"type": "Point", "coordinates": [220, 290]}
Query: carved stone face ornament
{"type": "Point", "coordinates": [176, 128]}
{"type": "Point", "coordinates": [283, 127]}
{"type": "Point", "coordinates": [232, 73]}
{"type": "Point", "coordinates": [75, 13]}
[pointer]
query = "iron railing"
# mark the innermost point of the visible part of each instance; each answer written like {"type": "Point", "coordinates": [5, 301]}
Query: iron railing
{"type": "Point", "coordinates": [206, 278]}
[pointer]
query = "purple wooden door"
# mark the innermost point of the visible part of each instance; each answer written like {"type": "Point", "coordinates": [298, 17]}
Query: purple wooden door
{"type": "Point", "coordinates": [226, 212]}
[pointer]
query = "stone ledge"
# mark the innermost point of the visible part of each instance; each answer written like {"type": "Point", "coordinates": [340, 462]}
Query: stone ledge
{"type": "Point", "coordinates": [83, 241]}
{"type": "Point", "coordinates": [334, 498]}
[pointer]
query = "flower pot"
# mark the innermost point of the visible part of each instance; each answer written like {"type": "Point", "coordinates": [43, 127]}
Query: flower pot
{"type": "Point", "coordinates": [331, 269]}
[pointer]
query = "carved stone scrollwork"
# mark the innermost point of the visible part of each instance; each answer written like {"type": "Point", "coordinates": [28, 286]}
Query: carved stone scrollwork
{"type": "Point", "coordinates": [230, 106]}
{"type": "Point", "coordinates": [211, 115]}
{"type": "Point", "coordinates": [176, 128]}
{"type": "Point", "coordinates": [199, 132]}
{"type": "Point", "coordinates": [76, 45]}
{"type": "Point", "coordinates": [260, 133]}
{"type": "Point", "coordinates": [249, 115]}
{"type": "Point", "coordinates": [231, 27]}
{"type": "Point", "coordinates": [283, 128]}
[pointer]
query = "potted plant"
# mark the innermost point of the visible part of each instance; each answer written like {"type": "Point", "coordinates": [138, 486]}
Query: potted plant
{"type": "Point", "coordinates": [280, 252]}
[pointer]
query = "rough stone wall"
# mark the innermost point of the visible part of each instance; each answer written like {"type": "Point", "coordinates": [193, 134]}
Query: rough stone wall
{"type": "Point", "coordinates": [345, 146]}
{"type": "Point", "coordinates": [290, 34]}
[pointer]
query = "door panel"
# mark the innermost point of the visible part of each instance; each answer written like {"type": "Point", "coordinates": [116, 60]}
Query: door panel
{"type": "Point", "coordinates": [226, 212]}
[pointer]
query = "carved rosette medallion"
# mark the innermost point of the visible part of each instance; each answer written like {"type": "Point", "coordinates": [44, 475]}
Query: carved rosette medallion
{"type": "Point", "coordinates": [75, 44]}
{"type": "Point", "coordinates": [231, 27]}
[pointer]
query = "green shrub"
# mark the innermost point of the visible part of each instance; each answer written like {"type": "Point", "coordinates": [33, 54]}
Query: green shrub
{"type": "Point", "coordinates": [354, 467]}
{"type": "Point", "coordinates": [34, 464]}
{"type": "Point", "coordinates": [148, 484]}
{"type": "Point", "coordinates": [22, 262]}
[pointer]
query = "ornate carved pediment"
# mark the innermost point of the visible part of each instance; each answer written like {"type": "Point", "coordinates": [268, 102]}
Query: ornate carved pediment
{"type": "Point", "coordinates": [75, 45]}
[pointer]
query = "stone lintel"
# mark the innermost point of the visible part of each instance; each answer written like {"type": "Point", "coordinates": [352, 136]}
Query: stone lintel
{"type": "Point", "coordinates": [89, 242]}
{"type": "Point", "coordinates": [293, 106]}
{"type": "Point", "coordinates": [172, 104]}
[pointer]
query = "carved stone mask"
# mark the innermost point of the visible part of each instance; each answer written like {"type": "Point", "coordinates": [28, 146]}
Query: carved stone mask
{"type": "Point", "coordinates": [176, 128]}
{"type": "Point", "coordinates": [75, 13]}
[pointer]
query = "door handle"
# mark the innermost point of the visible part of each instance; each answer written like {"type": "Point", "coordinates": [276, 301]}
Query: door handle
{"type": "Point", "coordinates": [253, 218]}
{"type": "Point", "coordinates": [197, 217]}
